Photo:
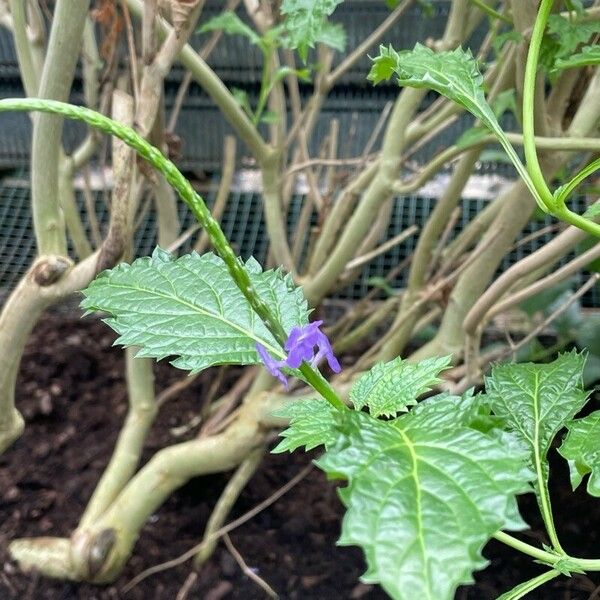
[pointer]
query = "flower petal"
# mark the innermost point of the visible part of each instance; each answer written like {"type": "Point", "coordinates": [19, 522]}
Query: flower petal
{"type": "Point", "coordinates": [271, 364]}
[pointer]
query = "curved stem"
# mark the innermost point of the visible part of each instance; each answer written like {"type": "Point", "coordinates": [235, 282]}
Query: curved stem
{"type": "Point", "coordinates": [528, 586]}
{"type": "Point", "coordinates": [533, 165]}
{"type": "Point", "coordinates": [550, 558]}
{"type": "Point", "coordinates": [192, 199]}
{"type": "Point", "coordinates": [541, 555]}
{"type": "Point", "coordinates": [57, 77]}
{"type": "Point", "coordinates": [491, 12]}
{"type": "Point", "coordinates": [565, 191]}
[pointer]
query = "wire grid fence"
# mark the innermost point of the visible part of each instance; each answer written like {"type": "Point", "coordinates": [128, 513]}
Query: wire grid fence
{"type": "Point", "coordinates": [244, 226]}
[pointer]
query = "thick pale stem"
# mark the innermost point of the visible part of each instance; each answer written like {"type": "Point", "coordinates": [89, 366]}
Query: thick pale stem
{"type": "Point", "coordinates": [155, 72]}
{"type": "Point", "coordinates": [128, 450]}
{"type": "Point", "coordinates": [167, 216]}
{"type": "Point", "coordinates": [27, 69]}
{"type": "Point", "coordinates": [517, 206]}
{"type": "Point", "coordinates": [81, 244]}
{"type": "Point", "coordinates": [545, 256]}
{"type": "Point", "coordinates": [119, 229]}
{"type": "Point", "coordinates": [339, 214]}
{"type": "Point", "coordinates": [50, 279]}
{"type": "Point", "coordinates": [214, 87]}
{"type": "Point", "coordinates": [423, 252]}
{"type": "Point", "coordinates": [375, 196]}
{"type": "Point", "coordinates": [57, 76]}
{"type": "Point", "coordinates": [273, 210]}
{"type": "Point", "coordinates": [99, 550]}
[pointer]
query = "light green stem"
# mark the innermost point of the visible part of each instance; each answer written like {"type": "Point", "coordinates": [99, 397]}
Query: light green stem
{"type": "Point", "coordinates": [550, 558]}
{"type": "Point", "coordinates": [192, 199]}
{"type": "Point", "coordinates": [57, 77]}
{"type": "Point", "coordinates": [129, 446]}
{"type": "Point", "coordinates": [488, 10]}
{"type": "Point", "coordinates": [533, 165]}
{"type": "Point", "coordinates": [556, 205]}
{"type": "Point", "coordinates": [524, 588]}
{"type": "Point", "coordinates": [567, 189]}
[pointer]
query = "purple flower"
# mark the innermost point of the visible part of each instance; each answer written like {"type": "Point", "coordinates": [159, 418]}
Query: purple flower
{"type": "Point", "coordinates": [273, 366]}
{"type": "Point", "coordinates": [300, 347]}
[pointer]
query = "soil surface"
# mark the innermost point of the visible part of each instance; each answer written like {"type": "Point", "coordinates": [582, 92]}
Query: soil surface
{"type": "Point", "coordinates": [71, 392]}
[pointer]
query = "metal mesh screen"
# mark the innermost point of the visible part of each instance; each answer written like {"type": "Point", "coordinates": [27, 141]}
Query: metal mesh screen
{"type": "Point", "coordinates": [244, 226]}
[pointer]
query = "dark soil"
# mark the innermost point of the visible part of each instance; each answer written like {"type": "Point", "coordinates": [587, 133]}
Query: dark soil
{"type": "Point", "coordinates": [71, 391]}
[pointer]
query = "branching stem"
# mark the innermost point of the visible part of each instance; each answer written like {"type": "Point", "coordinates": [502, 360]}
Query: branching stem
{"type": "Point", "coordinates": [195, 203]}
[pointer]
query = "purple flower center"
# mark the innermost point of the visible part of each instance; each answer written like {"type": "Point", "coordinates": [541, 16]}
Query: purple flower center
{"type": "Point", "coordinates": [300, 347]}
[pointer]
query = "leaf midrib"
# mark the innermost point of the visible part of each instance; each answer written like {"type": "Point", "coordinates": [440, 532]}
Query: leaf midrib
{"type": "Point", "coordinates": [195, 308]}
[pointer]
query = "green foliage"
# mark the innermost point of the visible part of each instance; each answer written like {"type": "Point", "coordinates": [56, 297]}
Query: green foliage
{"type": "Point", "coordinates": [428, 489]}
{"type": "Point", "coordinates": [562, 38]}
{"type": "Point", "coordinates": [230, 23]}
{"type": "Point", "coordinates": [306, 24]}
{"type": "Point", "coordinates": [448, 411]}
{"type": "Point", "coordinates": [191, 308]}
{"type": "Point", "coordinates": [389, 388]}
{"type": "Point", "coordinates": [426, 6]}
{"type": "Point", "coordinates": [505, 37]}
{"type": "Point", "coordinates": [592, 211]}
{"type": "Point", "coordinates": [536, 400]}
{"type": "Point", "coordinates": [312, 424]}
{"type": "Point", "coordinates": [589, 55]}
{"type": "Point", "coordinates": [505, 101]}
{"type": "Point", "coordinates": [581, 448]}
{"type": "Point", "coordinates": [523, 589]}
{"type": "Point", "coordinates": [471, 137]}
{"type": "Point", "coordinates": [422, 501]}
{"type": "Point", "coordinates": [453, 74]}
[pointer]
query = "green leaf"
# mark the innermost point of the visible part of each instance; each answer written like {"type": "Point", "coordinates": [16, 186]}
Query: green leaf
{"type": "Point", "coordinates": [537, 400]}
{"type": "Point", "coordinates": [453, 74]}
{"type": "Point", "coordinates": [588, 335]}
{"type": "Point", "coordinates": [523, 589]}
{"type": "Point", "coordinates": [191, 308]}
{"type": "Point", "coordinates": [589, 55]}
{"type": "Point", "coordinates": [383, 284]}
{"type": "Point", "coordinates": [390, 387]}
{"type": "Point", "coordinates": [423, 501]}
{"type": "Point", "coordinates": [269, 117]}
{"type": "Point", "coordinates": [446, 411]}
{"type": "Point", "coordinates": [230, 23]}
{"type": "Point", "coordinates": [306, 23]}
{"type": "Point", "coordinates": [312, 424]}
{"type": "Point", "coordinates": [505, 37]}
{"type": "Point", "coordinates": [505, 101]}
{"type": "Point", "coordinates": [332, 35]}
{"type": "Point", "coordinates": [563, 36]}
{"type": "Point", "coordinates": [472, 137]}
{"type": "Point", "coordinates": [592, 211]}
{"type": "Point", "coordinates": [241, 98]}
{"type": "Point", "coordinates": [581, 448]}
